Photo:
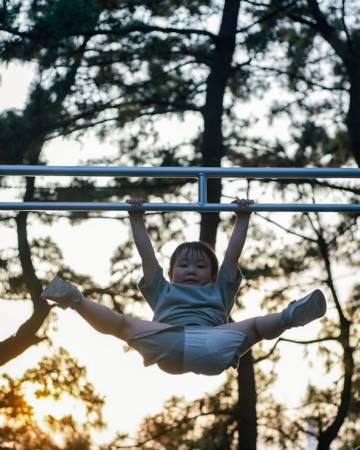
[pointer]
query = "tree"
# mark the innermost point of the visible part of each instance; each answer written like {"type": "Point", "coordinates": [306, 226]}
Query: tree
{"type": "Point", "coordinates": [54, 378]}
{"type": "Point", "coordinates": [314, 48]}
{"type": "Point", "coordinates": [23, 136]}
{"type": "Point", "coordinates": [124, 65]}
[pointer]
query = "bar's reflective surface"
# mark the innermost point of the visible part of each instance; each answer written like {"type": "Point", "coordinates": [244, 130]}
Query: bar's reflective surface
{"type": "Point", "coordinates": [181, 172]}
{"type": "Point", "coordinates": [204, 207]}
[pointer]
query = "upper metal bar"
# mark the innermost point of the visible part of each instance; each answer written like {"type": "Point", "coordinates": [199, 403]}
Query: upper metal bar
{"type": "Point", "coordinates": [181, 172]}
{"type": "Point", "coordinates": [205, 207]}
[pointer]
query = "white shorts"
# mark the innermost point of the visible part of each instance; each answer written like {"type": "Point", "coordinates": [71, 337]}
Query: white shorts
{"type": "Point", "coordinates": [211, 350]}
{"type": "Point", "coordinates": [199, 349]}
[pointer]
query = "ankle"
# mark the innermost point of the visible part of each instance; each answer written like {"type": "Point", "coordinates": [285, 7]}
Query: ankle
{"type": "Point", "coordinates": [76, 303]}
{"type": "Point", "coordinates": [285, 319]}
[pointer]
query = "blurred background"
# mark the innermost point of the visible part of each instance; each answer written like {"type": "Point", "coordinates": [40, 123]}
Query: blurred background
{"type": "Point", "coordinates": [270, 83]}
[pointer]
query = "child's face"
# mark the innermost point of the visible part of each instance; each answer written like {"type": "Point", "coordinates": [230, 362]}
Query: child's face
{"type": "Point", "coordinates": [192, 268]}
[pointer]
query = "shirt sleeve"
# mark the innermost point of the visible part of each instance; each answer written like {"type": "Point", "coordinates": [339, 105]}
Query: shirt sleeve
{"type": "Point", "coordinates": [153, 291]}
{"type": "Point", "coordinates": [228, 287]}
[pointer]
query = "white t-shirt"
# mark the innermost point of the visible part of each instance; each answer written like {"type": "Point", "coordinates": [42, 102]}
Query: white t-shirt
{"type": "Point", "coordinates": [187, 305]}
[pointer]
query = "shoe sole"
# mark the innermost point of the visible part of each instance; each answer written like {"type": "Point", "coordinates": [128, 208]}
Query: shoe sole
{"type": "Point", "coordinates": [312, 308]}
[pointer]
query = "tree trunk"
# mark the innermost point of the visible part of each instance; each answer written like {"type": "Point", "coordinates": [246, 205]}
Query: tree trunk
{"type": "Point", "coordinates": [353, 114]}
{"type": "Point", "coordinates": [39, 118]}
{"type": "Point", "coordinates": [26, 336]}
{"type": "Point", "coordinates": [212, 148]}
{"type": "Point", "coordinates": [348, 51]}
{"type": "Point", "coordinates": [246, 409]}
{"type": "Point", "coordinates": [328, 435]}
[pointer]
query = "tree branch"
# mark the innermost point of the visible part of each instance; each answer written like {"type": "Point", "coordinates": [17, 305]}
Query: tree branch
{"type": "Point", "coordinates": [314, 182]}
{"type": "Point", "coordinates": [176, 426]}
{"type": "Point", "coordinates": [262, 358]}
{"type": "Point", "coordinates": [116, 31]}
{"type": "Point", "coordinates": [346, 30]}
{"type": "Point", "coordinates": [298, 77]}
{"type": "Point", "coordinates": [324, 252]}
{"type": "Point", "coordinates": [307, 238]}
{"type": "Point", "coordinates": [25, 337]}
{"type": "Point", "coordinates": [302, 20]}
{"type": "Point", "coordinates": [145, 28]}
{"type": "Point", "coordinates": [310, 341]}
{"type": "Point", "coordinates": [294, 341]}
{"type": "Point", "coordinates": [328, 32]}
{"type": "Point", "coordinates": [270, 15]}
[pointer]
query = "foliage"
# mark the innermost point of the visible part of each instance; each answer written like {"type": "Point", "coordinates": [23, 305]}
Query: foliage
{"type": "Point", "coordinates": [311, 49]}
{"type": "Point", "coordinates": [131, 69]}
{"type": "Point", "coordinates": [55, 378]}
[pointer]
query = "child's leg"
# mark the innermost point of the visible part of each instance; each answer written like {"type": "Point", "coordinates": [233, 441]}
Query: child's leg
{"type": "Point", "coordinates": [298, 313]}
{"type": "Point", "coordinates": [107, 321]}
{"type": "Point", "coordinates": [100, 317]}
{"type": "Point", "coordinates": [259, 328]}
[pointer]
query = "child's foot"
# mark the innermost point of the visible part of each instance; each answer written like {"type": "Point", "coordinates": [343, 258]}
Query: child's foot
{"type": "Point", "coordinates": [306, 309]}
{"type": "Point", "coordinates": [62, 292]}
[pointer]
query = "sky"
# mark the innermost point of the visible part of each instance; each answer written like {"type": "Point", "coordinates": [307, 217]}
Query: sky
{"type": "Point", "coordinates": [131, 391]}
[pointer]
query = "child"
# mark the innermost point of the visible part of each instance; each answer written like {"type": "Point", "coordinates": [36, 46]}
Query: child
{"type": "Point", "coordinates": [190, 330]}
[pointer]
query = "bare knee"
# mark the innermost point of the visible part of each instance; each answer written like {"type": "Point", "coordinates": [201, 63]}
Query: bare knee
{"type": "Point", "coordinates": [254, 333]}
{"type": "Point", "coordinates": [248, 327]}
{"type": "Point", "coordinates": [100, 317]}
{"type": "Point", "coordinates": [131, 326]}
{"type": "Point", "coordinates": [113, 325]}
{"type": "Point", "coordinates": [126, 327]}
{"type": "Point", "coordinates": [257, 329]}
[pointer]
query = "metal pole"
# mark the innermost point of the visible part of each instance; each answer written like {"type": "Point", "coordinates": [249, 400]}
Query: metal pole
{"type": "Point", "coordinates": [202, 188]}
{"type": "Point", "coordinates": [206, 207]}
{"type": "Point", "coordinates": [181, 172]}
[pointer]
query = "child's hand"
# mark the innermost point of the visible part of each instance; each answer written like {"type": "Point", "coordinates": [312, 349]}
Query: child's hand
{"type": "Point", "coordinates": [137, 206]}
{"type": "Point", "coordinates": [242, 204]}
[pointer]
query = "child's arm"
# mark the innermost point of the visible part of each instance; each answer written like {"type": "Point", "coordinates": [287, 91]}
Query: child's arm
{"type": "Point", "coordinates": [142, 241]}
{"type": "Point", "coordinates": [237, 239]}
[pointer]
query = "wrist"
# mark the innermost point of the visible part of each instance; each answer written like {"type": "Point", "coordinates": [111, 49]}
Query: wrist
{"type": "Point", "coordinates": [77, 302]}
{"type": "Point", "coordinates": [243, 215]}
{"type": "Point", "coordinates": [136, 215]}
{"type": "Point", "coordinates": [243, 205]}
{"type": "Point", "coordinates": [137, 208]}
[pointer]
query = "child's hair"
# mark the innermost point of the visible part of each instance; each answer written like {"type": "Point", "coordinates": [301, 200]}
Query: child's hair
{"type": "Point", "coordinates": [198, 247]}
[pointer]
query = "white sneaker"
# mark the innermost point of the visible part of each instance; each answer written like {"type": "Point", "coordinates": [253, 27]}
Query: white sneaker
{"type": "Point", "coordinates": [62, 292]}
{"type": "Point", "coordinates": [305, 310]}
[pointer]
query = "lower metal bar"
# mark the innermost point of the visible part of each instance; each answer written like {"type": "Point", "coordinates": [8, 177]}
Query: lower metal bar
{"type": "Point", "coordinates": [205, 207]}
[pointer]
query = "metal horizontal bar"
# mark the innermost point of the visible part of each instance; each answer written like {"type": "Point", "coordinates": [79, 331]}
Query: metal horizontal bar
{"type": "Point", "coordinates": [181, 172]}
{"type": "Point", "coordinates": [204, 207]}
